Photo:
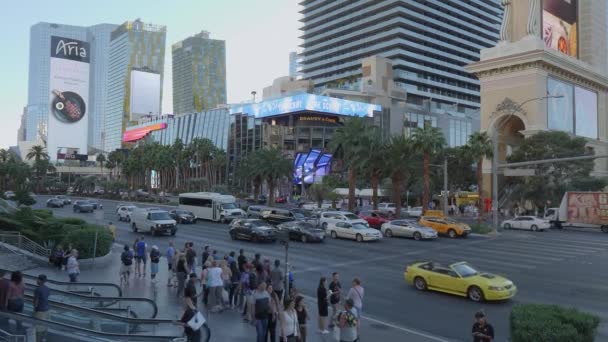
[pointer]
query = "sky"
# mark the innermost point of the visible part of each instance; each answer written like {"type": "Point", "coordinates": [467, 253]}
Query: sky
{"type": "Point", "coordinates": [259, 35]}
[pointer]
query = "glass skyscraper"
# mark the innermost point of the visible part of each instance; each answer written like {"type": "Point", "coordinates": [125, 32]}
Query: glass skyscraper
{"type": "Point", "coordinates": [428, 41]}
{"type": "Point", "coordinates": [199, 74]}
{"type": "Point", "coordinates": [134, 45]}
{"type": "Point", "coordinates": [37, 110]}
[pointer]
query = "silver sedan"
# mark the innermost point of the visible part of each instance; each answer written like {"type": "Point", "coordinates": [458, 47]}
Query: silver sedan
{"type": "Point", "coordinates": [407, 228]}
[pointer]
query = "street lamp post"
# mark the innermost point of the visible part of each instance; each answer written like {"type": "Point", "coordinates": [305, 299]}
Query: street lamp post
{"type": "Point", "coordinates": [495, 166]}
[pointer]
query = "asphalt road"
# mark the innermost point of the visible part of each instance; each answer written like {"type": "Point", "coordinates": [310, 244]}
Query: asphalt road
{"type": "Point", "coordinates": [559, 267]}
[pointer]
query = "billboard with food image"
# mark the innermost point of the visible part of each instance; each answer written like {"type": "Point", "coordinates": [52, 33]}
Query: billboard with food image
{"type": "Point", "coordinates": [69, 94]}
{"type": "Point", "coordinates": [560, 31]}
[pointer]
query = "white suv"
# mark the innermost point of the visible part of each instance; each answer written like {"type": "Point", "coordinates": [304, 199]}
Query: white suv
{"type": "Point", "coordinates": [124, 212]}
{"type": "Point", "coordinates": [330, 218]}
{"type": "Point", "coordinates": [388, 208]}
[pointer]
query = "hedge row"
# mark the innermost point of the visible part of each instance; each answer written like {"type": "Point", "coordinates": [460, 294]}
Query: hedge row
{"type": "Point", "coordinates": [551, 323]}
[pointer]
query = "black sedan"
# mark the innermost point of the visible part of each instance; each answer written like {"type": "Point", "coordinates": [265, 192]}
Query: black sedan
{"type": "Point", "coordinates": [83, 207]}
{"type": "Point", "coordinates": [252, 229]}
{"type": "Point", "coordinates": [54, 203]}
{"type": "Point", "coordinates": [182, 216]}
{"type": "Point", "coordinates": [302, 231]}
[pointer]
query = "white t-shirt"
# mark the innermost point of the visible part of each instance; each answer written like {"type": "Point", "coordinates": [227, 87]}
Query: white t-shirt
{"type": "Point", "coordinates": [356, 294]}
{"type": "Point", "coordinates": [72, 265]}
{"type": "Point", "coordinates": [215, 277]}
{"type": "Point", "coordinates": [290, 323]}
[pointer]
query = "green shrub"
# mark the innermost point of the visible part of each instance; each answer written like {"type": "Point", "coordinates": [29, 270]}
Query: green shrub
{"type": "Point", "coordinates": [84, 239]}
{"type": "Point", "coordinates": [73, 220]}
{"type": "Point", "coordinates": [481, 228]}
{"type": "Point", "coordinates": [43, 213]}
{"type": "Point", "coordinates": [551, 323]}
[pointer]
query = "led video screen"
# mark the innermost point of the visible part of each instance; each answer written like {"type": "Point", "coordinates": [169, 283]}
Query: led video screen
{"type": "Point", "coordinates": [311, 166]}
{"type": "Point", "coordinates": [560, 26]}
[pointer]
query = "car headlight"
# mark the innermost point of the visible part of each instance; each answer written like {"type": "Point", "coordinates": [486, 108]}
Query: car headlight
{"type": "Point", "coordinates": [496, 288]}
{"type": "Point", "coordinates": [157, 225]}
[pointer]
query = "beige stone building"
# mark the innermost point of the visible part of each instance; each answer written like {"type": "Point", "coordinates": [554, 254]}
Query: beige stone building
{"type": "Point", "coordinates": [548, 72]}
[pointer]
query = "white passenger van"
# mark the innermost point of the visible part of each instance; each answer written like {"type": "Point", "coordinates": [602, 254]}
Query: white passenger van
{"type": "Point", "coordinates": [211, 206]}
{"type": "Point", "coordinates": [152, 220]}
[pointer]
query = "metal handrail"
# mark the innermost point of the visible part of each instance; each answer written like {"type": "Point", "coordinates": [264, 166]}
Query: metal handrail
{"type": "Point", "coordinates": [8, 337]}
{"type": "Point", "coordinates": [16, 239]}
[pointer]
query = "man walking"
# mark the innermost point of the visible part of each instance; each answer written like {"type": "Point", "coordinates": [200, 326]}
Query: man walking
{"type": "Point", "coordinates": [112, 229]}
{"type": "Point", "coordinates": [356, 293]}
{"type": "Point", "coordinates": [141, 253]}
{"type": "Point", "coordinates": [482, 330]}
{"type": "Point", "coordinates": [334, 297]}
{"type": "Point", "coordinates": [205, 255]}
{"type": "Point", "coordinates": [277, 278]}
{"type": "Point", "coordinates": [41, 306]}
{"type": "Point", "coordinates": [190, 257]}
{"type": "Point", "coordinates": [242, 260]}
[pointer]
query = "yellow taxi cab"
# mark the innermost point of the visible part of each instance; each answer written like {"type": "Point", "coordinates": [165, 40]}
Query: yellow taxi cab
{"type": "Point", "coordinates": [459, 279]}
{"type": "Point", "coordinates": [446, 226]}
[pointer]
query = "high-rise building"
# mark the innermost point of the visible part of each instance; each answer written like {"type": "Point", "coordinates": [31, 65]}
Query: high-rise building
{"type": "Point", "coordinates": [135, 76]}
{"type": "Point", "coordinates": [37, 110]}
{"type": "Point", "coordinates": [294, 64]}
{"type": "Point", "coordinates": [427, 42]}
{"type": "Point", "coordinates": [21, 133]}
{"type": "Point", "coordinates": [199, 74]}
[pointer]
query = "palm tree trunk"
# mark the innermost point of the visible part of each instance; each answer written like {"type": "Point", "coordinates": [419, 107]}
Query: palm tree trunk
{"type": "Point", "coordinates": [427, 187]}
{"type": "Point", "coordinates": [397, 185]}
{"type": "Point", "coordinates": [271, 186]}
{"type": "Point", "coordinates": [480, 187]}
{"type": "Point", "coordinates": [375, 190]}
{"type": "Point", "coordinates": [352, 178]}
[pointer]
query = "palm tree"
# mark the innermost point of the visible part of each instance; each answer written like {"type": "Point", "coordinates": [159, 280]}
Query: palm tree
{"type": "Point", "coordinates": [480, 147]}
{"type": "Point", "coordinates": [399, 160]}
{"type": "Point", "coordinates": [429, 141]}
{"type": "Point", "coordinates": [101, 158]}
{"type": "Point", "coordinates": [274, 166]}
{"type": "Point", "coordinates": [374, 163]}
{"type": "Point", "coordinates": [37, 152]}
{"type": "Point", "coordinates": [348, 144]}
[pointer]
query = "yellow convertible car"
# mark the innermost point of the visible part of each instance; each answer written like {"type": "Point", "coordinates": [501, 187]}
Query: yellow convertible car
{"type": "Point", "coordinates": [459, 279]}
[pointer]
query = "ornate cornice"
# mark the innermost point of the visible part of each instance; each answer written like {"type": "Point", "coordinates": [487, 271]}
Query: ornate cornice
{"type": "Point", "coordinates": [548, 62]}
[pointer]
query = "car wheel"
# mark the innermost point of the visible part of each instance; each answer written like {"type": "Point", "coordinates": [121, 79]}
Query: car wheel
{"type": "Point", "coordinates": [605, 229]}
{"type": "Point", "coordinates": [420, 283]}
{"type": "Point", "coordinates": [388, 233]}
{"type": "Point", "coordinates": [128, 219]}
{"type": "Point", "coordinates": [324, 225]}
{"type": "Point", "coordinates": [417, 236]}
{"type": "Point", "coordinates": [304, 238]}
{"type": "Point", "coordinates": [359, 238]}
{"type": "Point", "coordinates": [475, 294]}
{"type": "Point", "coordinates": [534, 228]}
{"type": "Point", "coordinates": [452, 233]}
{"type": "Point", "coordinates": [507, 226]}
{"type": "Point", "coordinates": [222, 219]}
{"type": "Point", "coordinates": [173, 232]}
{"type": "Point", "coordinates": [134, 227]}
{"type": "Point", "coordinates": [334, 235]}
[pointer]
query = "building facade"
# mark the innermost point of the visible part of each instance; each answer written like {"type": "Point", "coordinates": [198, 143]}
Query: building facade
{"type": "Point", "coordinates": [199, 74]}
{"type": "Point", "coordinates": [37, 110]}
{"type": "Point", "coordinates": [134, 46]}
{"type": "Point", "coordinates": [21, 132]}
{"type": "Point", "coordinates": [428, 44]}
{"type": "Point", "coordinates": [294, 64]}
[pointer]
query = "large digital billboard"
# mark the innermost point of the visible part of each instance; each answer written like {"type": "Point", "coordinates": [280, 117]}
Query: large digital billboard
{"type": "Point", "coordinates": [574, 111]}
{"type": "Point", "coordinates": [145, 94]}
{"type": "Point", "coordinates": [311, 167]}
{"type": "Point", "coordinates": [560, 19]}
{"type": "Point", "coordinates": [308, 102]}
{"type": "Point", "coordinates": [68, 122]}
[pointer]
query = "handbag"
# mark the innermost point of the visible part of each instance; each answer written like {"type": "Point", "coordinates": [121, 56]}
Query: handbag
{"type": "Point", "coordinates": [197, 321]}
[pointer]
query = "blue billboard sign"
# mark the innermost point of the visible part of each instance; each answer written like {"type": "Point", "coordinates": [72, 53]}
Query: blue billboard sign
{"type": "Point", "coordinates": [306, 102]}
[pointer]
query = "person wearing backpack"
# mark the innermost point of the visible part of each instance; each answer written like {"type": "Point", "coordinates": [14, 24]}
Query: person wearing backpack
{"type": "Point", "coordinates": [253, 285]}
{"type": "Point", "coordinates": [261, 310]}
{"type": "Point", "coordinates": [154, 260]}
{"type": "Point", "coordinates": [126, 259]}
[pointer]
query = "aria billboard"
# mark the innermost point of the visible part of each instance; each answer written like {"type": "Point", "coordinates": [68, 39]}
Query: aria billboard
{"type": "Point", "coordinates": [69, 94]}
{"type": "Point", "coordinates": [560, 18]}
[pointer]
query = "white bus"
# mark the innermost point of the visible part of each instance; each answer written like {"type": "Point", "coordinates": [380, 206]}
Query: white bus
{"type": "Point", "coordinates": [211, 206]}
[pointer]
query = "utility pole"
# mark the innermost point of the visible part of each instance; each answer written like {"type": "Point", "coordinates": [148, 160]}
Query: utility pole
{"type": "Point", "coordinates": [445, 187]}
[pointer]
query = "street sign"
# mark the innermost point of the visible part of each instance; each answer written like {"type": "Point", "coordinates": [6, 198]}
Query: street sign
{"type": "Point", "coordinates": [520, 172]}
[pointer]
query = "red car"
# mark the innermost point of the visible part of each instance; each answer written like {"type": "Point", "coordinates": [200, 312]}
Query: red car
{"type": "Point", "coordinates": [374, 218]}
{"type": "Point", "coordinates": [280, 199]}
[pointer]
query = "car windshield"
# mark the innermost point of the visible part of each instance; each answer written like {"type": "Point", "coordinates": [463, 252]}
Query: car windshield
{"type": "Point", "coordinates": [351, 216]}
{"type": "Point", "coordinates": [160, 216]}
{"type": "Point", "coordinates": [448, 220]}
{"type": "Point", "coordinates": [381, 214]}
{"type": "Point", "coordinates": [465, 270]}
{"type": "Point", "coordinates": [258, 223]}
{"type": "Point", "coordinates": [359, 226]}
{"type": "Point", "coordinates": [182, 212]}
{"type": "Point", "coordinates": [229, 206]}
{"type": "Point", "coordinates": [304, 226]}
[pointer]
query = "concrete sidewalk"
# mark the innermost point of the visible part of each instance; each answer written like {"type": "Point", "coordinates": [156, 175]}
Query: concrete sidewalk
{"type": "Point", "coordinates": [228, 325]}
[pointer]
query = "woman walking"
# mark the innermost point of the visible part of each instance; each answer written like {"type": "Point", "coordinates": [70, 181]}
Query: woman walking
{"type": "Point", "coordinates": [226, 279]}
{"type": "Point", "coordinates": [15, 296]}
{"type": "Point", "coordinates": [273, 315]}
{"type": "Point", "coordinates": [181, 273]}
{"type": "Point", "coordinates": [289, 322]}
{"type": "Point", "coordinates": [302, 317]}
{"type": "Point", "coordinates": [322, 304]}
{"type": "Point", "coordinates": [154, 260]}
{"type": "Point", "coordinates": [233, 292]}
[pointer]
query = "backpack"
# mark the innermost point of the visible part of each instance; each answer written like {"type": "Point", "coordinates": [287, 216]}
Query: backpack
{"type": "Point", "coordinates": [127, 258]}
{"type": "Point", "coordinates": [253, 281]}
